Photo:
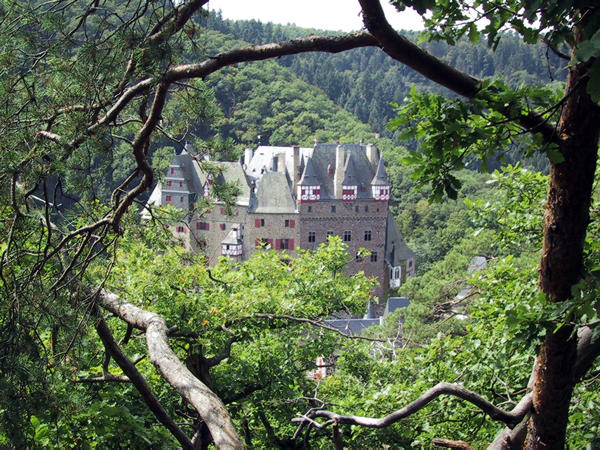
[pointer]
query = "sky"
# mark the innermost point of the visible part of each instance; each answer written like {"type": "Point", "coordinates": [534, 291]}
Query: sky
{"type": "Point", "coordinates": [339, 15]}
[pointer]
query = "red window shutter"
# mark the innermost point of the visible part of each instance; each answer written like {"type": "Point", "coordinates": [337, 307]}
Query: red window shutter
{"type": "Point", "coordinates": [292, 223]}
{"type": "Point", "coordinates": [257, 223]}
{"type": "Point", "coordinates": [278, 244]}
{"type": "Point", "coordinates": [198, 226]}
{"type": "Point", "coordinates": [207, 226]}
{"type": "Point", "coordinates": [291, 241]}
{"type": "Point", "coordinates": [168, 198]}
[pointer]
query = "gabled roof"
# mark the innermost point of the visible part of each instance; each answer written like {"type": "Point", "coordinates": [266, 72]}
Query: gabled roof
{"type": "Point", "coordinates": [309, 177]}
{"type": "Point", "coordinates": [350, 175]}
{"type": "Point", "coordinates": [380, 177]}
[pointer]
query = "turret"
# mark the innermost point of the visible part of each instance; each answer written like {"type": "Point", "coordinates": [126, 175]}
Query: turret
{"type": "Point", "coordinates": [309, 187]}
{"type": "Point", "coordinates": [379, 186]}
{"type": "Point", "coordinates": [350, 182]}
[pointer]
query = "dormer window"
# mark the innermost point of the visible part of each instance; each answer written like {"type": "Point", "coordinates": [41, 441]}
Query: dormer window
{"type": "Point", "coordinates": [381, 192]}
{"type": "Point", "coordinates": [349, 193]}
{"type": "Point", "coordinates": [309, 193]}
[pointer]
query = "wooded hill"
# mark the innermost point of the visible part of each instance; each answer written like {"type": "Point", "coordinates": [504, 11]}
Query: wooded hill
{"type": "Point", "coordinates": [365, 81]}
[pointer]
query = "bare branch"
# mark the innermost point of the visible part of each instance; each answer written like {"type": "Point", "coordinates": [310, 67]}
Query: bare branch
{"type": "Point", "coordinates": [447, 443]}
{"type": "Point", "coordinates": [140, 383]}
{"type": "Point", "coordinates": [109, 377]}
{"type": "Point", "coordinates": [312, 322]}
{"type": "Point", "coordinates": [510, 418]}
{"type": "Point", "coordinates": [207, 404]}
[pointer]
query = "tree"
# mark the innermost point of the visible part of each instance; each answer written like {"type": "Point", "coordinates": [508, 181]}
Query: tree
{"type": "Point", "coordinates": [78, 78]}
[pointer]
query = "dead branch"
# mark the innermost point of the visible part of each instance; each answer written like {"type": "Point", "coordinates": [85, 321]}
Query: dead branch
{"type": "Point", "coordinates": [314, 323]}
{"type": "Point", "coordinates": [447, 443]}
{"type": "Point", "coordinates": [207, 404]}
{"type": "Point", "coordinates": [511, 418]}
{"type": "Point", "coordinates": [139, 382]}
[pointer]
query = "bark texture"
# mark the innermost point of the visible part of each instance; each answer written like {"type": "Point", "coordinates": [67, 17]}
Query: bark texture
{"type": "Point", "coordinates": [206, 402]}
{"type": "Point", "coordinates": [567, 217]}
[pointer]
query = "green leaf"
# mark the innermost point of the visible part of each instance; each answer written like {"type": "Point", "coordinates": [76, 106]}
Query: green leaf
{"type": "Point", "coordinates": [555, 156]}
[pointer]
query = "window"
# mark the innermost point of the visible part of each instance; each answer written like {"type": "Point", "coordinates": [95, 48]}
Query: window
{"type": "Point", "coordinates": [347, 236]}
{"type": "Point", "coordinates": [329, 233]}
{"type": "Point", "coordinates": [309, 209]}
{"type": "Point", "coordinates": [259, 223]}
{"type": "Point", "coordinates": [290, 223]}
{"type": "Point", "coordinates": [311, 236]}
{"type": "Point", "coordinates": [367, 235]}
{"type": "Point", "coordinates": [284, 244]}
{"type": "Point", "coordinates": [169, 183]}
{"type": "Point", "coordinates": [222, 226]}
{"type": "Point", "coordinates": [168, 198]}
{"type": "Point", "coordinates": [181, 199]}
{"type": "Point", "coordinates": [410, 264]}
{"type": "Point", "coordinates": [373, 256]}
{"type": "Point", "coordinates": [366, 208]}
{"type": "Point", "coordinates": [356, 208]}
{"type": "Point", "coordinates": [180, 229]}
{"type": "Point", "coordinates": [332, 208]}
{"type": "Point", "coordinates": [202, 226]}
{"type": "Point", "coordinates": [172, 171]}
{"type": "Point", "coordinates": [181, 184]}
{"type": "Point", "coordinates": [363, 189]}
{"type": "Point", "coordinates": [223, 211]}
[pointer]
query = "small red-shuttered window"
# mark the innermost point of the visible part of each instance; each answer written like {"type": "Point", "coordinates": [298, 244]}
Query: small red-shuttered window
{"type": "Point", "coordinates": [168, 198]}
{"type": "Point", "coordinates": [222, 226]}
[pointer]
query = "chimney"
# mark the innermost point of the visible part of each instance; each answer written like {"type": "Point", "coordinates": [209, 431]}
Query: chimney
{"type": "Point", "coordinates": [296, 166]}
{"type": "Point", "coordinates": [372, 154]}
{"type": "Point", "coordinates": [281, 163]}
{"type": "Point", "coordinates": [248, 153]}
{"type": "Point", "coordinates": [339, 172]}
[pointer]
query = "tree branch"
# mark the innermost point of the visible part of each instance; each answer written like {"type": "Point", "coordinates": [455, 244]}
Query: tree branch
{"type": "Point", "coordinates": [207, 404]}
{"type": "Point", "coordinates": [510, 418]}
{"type": "Point", "coordinates": [139, 382]}
{"type": "Point", "coordinates": [404, 51]}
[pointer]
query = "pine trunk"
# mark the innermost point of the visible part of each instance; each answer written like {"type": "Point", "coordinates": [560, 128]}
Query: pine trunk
{"type": "Point", "coordinates": [567, 217]}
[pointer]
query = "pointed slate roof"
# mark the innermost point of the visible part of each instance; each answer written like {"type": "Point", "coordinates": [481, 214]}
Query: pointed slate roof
{"type": "Point", "coordinates": [309, 177]}
{"type": "Point", "coordinates": [380, 177]}
{"type": "Point", "coordinates": [231, 238]}
{"type": "Point", "coordinates": [350, 174]}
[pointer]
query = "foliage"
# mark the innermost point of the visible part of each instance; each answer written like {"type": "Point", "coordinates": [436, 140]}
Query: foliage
{"type": "Point", "coordinates": [365, 81]}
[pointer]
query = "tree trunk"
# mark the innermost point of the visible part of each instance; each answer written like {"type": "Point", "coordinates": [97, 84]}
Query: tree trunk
{"type": "Point", "coordinates": [567, 217]}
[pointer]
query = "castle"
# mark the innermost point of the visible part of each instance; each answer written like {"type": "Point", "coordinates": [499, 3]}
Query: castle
{"type": "Point", "coordinates": [290, 198]}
